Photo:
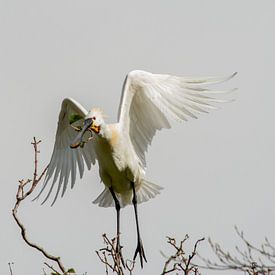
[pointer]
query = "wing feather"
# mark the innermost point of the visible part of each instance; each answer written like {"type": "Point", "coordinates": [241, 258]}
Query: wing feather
{"type": "Point", "coordinates": [149, 101]}
{"type": "Point", "coordinates": [65, 162]}
{"type": "Point", "coordinates": [73, 170]}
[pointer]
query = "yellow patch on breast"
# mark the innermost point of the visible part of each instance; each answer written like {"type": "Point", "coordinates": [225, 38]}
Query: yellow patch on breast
{"type": "Point", "coordinates": [114, 138]}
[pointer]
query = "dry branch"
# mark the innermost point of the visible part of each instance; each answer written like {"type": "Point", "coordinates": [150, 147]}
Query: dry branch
{"type": "Point", "coordinates": [250, 259]}
{"type": "Point", "coordinates": [112, 259]}
{"type": "Point", "coordinates": [179, 261]}
{"type": "Point", "coordinates": [21, 195]}
{"type": "Point", "coordinates": [10, 268]}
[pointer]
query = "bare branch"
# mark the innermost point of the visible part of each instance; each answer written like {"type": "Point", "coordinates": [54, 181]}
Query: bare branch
{"type": "Point", "coordinates": [112, 259]}
{"type": "Point", "coordinates": [179, 261]}
{"type": "Point", "coordinates": [51, 267]}
{"type": "Point", "coordinates": [22, 195]}
{"type": "Point", "coordinates": [249, 259]}
{"type": "Point", "coordinates": [10, 268]}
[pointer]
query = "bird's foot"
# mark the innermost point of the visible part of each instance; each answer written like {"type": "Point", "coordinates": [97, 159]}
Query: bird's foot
{"type": "Point", "coordinates": [140, 251]}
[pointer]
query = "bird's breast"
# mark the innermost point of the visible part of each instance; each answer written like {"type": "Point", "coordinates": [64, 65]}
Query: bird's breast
{"type": "Point", "coordinates": [109, 156]}
{"type": "Point", "coordinates": [115, 166]}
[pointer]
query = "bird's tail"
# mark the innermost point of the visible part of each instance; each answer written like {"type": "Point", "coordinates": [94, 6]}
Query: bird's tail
{"type": "Point", "coordinates": [146, 191]}
{"type": "Point", "coordinates": [104, 199]}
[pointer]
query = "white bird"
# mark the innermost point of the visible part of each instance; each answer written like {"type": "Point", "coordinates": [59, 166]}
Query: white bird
{"type": "Point", "coordinates": [148, 103]}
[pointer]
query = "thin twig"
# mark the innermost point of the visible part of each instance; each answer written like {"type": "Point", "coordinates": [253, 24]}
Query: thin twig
{"type": "Point", "coordinates": [249, 259]}
{"type": "Point", "coordinates": [178, 261]}
{"type": "Point", "coordinates": [190, 257]}
{"type": "Point", "coordinates": [51, 267]}
{"type": "Point", "coordinates": [22, 195]}
{"type": "Point", "coordinates": [10, 268]}
{"type": "Point", "coordinates": [112, 259]}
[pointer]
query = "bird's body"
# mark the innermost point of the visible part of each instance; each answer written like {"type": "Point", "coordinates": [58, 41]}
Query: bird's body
{"type": "Point", "coordinates": [148, 103]}
{"type": "Point", "coordinates": [118, 166]}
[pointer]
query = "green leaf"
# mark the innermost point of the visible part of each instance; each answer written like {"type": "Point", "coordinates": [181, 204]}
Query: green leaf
{"type": "Point", "coordinates": [74, 117]}
{"type": "Point", "coordinates": [71, 270]}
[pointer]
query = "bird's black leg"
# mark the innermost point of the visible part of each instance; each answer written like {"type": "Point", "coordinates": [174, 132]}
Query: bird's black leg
{"type": "Point", "coordinates": [139, 249]}
{"type": "Point", "coordinates": [117, 205]}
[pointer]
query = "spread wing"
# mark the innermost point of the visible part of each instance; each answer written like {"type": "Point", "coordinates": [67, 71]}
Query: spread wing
{"type": "Point", "coordinates": [66, 162]}
{"type": "Point", "coordinates": [149, 101]}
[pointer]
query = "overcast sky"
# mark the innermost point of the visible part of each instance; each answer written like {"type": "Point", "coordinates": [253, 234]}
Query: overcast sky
{"type": "Point", "coordinates": [217, 171]}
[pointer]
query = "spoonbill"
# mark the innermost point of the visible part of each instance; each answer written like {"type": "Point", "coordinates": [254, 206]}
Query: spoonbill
{"type": "Point", "coordinates": [148, 103]}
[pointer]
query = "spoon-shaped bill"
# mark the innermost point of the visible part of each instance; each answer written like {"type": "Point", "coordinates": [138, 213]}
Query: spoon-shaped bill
{"type": "Point", "coordinates": [78, 139]}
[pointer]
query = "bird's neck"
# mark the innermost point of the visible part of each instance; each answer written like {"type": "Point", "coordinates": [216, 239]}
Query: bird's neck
{"type": "Point", "coordinates": [105, 131]}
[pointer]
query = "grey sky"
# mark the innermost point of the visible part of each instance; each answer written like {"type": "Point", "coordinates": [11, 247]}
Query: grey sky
{"type": "Point", "coordinates": [217, 171]}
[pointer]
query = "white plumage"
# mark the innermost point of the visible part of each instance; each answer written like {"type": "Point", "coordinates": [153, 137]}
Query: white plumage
{"type": "Point", "coordinates": [149, 102]}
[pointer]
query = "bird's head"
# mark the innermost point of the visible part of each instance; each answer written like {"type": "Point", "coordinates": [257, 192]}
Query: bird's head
{"type": "Point", "coordinates": [96, 117]}
{"type": "Point", "coordinates": [93, 122]}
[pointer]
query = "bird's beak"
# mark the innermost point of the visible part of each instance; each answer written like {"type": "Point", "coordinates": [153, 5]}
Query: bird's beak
{"type": "Point", "coordinates": [78, 140]}
{"type": "Point", "coordinates": [95, 128]}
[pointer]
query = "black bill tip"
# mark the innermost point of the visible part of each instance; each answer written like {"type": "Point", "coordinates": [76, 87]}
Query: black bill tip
{"type": "Point", "coordinates": [75, 145]}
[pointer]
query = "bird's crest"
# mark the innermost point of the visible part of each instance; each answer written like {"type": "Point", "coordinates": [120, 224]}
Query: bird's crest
{"type": "Point", "coordinates": [98, 112]}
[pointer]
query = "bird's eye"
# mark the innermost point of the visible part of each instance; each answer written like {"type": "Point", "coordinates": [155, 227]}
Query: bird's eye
{"type": "Point", "coordinates": [93, 118]}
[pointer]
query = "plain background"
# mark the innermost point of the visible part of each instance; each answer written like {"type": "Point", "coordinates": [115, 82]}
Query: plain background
{"type": "Point", "coordinates": [217, 171]}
